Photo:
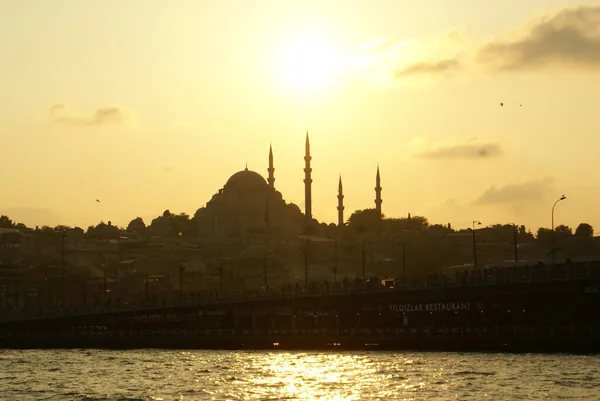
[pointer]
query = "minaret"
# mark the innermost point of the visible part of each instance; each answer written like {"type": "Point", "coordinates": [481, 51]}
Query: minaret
{"type": "Point", "coordinates": [340, 207]}
{"type": "Point", "coordinates": [307, 182]}
{"type": "Point", "coordinates": [271, 169]}
{"type": "Point", "coordinates": [378, 188]}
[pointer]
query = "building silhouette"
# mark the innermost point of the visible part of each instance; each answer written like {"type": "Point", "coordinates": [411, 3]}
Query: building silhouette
{"type": "Point", "coordinates": [249, 206]}
{"type": "Point", "coordinates": [340, 207]}
{"type": "Point", "coordinates": [378, 200]}
{"type": "Point", "coordinates": [271, 169]}
{"type": "Point", "coordinates": [307, 182]}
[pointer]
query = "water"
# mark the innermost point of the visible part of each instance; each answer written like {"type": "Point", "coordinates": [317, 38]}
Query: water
{"type": "Point", "coordinates": [222, 375]}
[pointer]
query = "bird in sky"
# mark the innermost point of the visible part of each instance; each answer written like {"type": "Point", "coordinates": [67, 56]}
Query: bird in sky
{"type": "Point", "coordinates": [97, 201]}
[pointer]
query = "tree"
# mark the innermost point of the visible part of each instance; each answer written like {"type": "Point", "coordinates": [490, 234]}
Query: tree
{"type": "Point", "coordinates": [544, 234]}
{"type": "Point", "coordinates": [439, 229]}
{"type": "Point", "coordinates": [5, 222]}
{"type": "Point", "coordinates": [584, 230]}
{"type": "Point", "coordinates": [417, 223]}
{"type": "Point", "coordinates": [180, 223]}
{"type": "Point", "coordinates": [137, 225]}
{"type": "Point", "coordinates": [170, 224]}
{"type": "Point", "coordinates": [104, 231]}
{"type": "Point", "coordinates": [365, 220]}
{"type": "Point", "coordinates": [562, 229]}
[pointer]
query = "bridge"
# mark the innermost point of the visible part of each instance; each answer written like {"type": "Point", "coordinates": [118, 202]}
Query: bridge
{"type": "Point", "coordinates": [395, 288]}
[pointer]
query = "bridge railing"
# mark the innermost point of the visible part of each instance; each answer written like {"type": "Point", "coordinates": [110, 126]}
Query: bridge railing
{"type": "Point", "coordinates": [465, 278]}
{"type": "Point", "coordinates": [545, 332]}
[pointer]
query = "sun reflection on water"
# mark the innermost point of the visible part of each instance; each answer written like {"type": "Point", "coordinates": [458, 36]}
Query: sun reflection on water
{"type": "Point", "coordinates": [279, 375]}
{"type": "Point", "coordinates": [316, 376]}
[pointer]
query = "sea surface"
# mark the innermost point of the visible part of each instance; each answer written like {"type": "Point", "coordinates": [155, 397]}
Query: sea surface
{"type": "Point", "coordinates": [242, 375]}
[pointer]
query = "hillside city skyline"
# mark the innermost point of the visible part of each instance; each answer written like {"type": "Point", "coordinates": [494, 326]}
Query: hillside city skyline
{"type": "Point", "coordinates": [471, 113]}
{"type": "Point", "coordinates": [342, 218]}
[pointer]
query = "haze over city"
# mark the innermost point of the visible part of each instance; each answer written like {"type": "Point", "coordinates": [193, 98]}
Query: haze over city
{"type": "Point", "coordinates": [471, 110]}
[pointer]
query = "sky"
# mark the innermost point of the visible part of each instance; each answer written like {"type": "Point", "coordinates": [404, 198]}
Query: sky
{"type": "Point", "coordinates": [149, 105]}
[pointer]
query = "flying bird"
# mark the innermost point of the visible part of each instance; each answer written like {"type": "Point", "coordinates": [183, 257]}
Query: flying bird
{"type": "Point", "coordinates": [501, 104]}
{"type": "Point", "coordinates": [97, 201]}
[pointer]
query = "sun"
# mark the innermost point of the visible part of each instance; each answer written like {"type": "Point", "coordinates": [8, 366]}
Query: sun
{"type": "Point", "coordinates": [309, 62]}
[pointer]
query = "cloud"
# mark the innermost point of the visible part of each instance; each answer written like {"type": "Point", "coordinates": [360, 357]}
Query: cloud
{"type": "Point", "coordinates": [100, 116]}
{"type": "Point", "coordinates": [431, 67]}
{"type": "Point", "coordinates": [570, 37]}
{"type": "Point", "coordinates": [406, 61]}
{"type": "Point", "coordinates": [463, 151]}
{"type": "Point", "coordinates": [372, 44]}
{"type": "Point", "coordinates": [531, 191]}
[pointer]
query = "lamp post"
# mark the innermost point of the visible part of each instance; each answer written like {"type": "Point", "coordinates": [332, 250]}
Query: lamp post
{"type": "Point", "coordinates": [515, 236]}
{"type": "Point", "coordinates": [306, 265]}
{"type": "Point", "coordinates": [146, 284]}
{"type": "Point", "coordinates": [221, 276]}
{"type": "Point", "coordinates": [364, 260]}
{"type": "Point", "coordinates": [475, 243]}
{"type": "Point", "coordinates": [181, 270]}
{"type": "Point", "coordinates": [63, 235]}
{"type": "Point", "coordinates": [265, 271]}
{"type": "Point", "coordinates": [106, 286]}
{"type": "Point", "coordinates": [335, 260]}
{"type": "Point", "coordinates": [403, 246]}
{"type": "Point", "coordinates": [563, 197]}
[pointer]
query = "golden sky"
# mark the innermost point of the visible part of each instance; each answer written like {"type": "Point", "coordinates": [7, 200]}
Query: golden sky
{"type": "Point", "coordinates": [150, 105]}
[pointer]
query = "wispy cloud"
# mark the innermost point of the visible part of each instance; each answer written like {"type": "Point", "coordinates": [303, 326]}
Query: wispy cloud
{"type": "Point", "coordinates": [429, 67]}
{"type": "Point", "coordinates": [382, 60]}
{"type": "Point", "coordinates": [530, 191]}
{"type": "Point", "coordinates": [100, 116]}
{"type": "Point", "coordinates": [462, 151]}
{"type": "Point", "coordinates": [570, 37]}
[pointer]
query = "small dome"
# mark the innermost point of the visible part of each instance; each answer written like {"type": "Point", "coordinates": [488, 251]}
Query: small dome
{"type": "Point", "coordinates": [246, 180]}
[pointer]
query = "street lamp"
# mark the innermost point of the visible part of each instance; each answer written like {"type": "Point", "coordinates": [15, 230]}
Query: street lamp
{"type": "Point", "coordinates": [63, 235]}
{"type": "Point", "coordinates": [267, 253]}
{"type": "Point", "coordinates": [221, 278]}
{"type": "Point", "coordinates": [515, 244]}
{"type": "Point", "coordinates": [306, 264]}
{"type": "Point", "coordinates": [364, 258]}
{"type": "Point", "coordinates": [475, 244]}
{"type": "Point", "coordinates": [335, 259]}
{"type": "Point", "coordinates": [403, 245]}
{"type": "Point", "coordinates": [181, 270]}
{"type": "Point", "coordinates": [563, 197]}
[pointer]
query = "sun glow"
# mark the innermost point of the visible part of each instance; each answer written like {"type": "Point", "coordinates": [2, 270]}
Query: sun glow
{"type": "Point", "coordinates": [310, 62]}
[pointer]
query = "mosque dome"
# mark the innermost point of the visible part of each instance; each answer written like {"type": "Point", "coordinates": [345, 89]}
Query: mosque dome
{"type": "Point", "coordinates": [246, 180]}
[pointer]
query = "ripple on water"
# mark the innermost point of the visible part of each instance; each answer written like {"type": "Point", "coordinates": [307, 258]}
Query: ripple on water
{"type": "Point", "coordinates": [225, 375]}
